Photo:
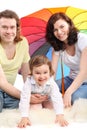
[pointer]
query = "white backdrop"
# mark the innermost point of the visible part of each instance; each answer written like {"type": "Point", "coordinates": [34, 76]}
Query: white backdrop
{"type": "Point", "coordinates": [24, 7]}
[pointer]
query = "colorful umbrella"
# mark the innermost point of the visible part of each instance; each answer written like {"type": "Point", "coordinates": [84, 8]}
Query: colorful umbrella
{"type": "Point", "coordinates": [33, 27]}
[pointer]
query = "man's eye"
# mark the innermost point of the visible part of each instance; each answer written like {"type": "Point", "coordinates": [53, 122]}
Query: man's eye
{"type": "Point", "coordinates": [4, 27]}
{"type": "Point", "coordinates": [12, 27]}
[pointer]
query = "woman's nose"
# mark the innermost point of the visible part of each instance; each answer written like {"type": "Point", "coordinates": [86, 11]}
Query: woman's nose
{"type": "Point", "coordinates": [59, 31]}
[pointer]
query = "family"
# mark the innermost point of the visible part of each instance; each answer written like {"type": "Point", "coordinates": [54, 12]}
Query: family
{"type": "Point", "coordinates": [40, 86]}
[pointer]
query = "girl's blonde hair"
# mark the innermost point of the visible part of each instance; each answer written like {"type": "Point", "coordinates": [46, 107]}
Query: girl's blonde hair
{"type": "Point", "coordinates": [39, 60]}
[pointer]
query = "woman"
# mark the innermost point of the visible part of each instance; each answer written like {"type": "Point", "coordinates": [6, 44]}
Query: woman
{"type": "Point", "coordinates": [69, 43]}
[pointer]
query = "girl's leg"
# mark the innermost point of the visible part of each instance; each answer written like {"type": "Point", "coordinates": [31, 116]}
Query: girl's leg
{"type": "Point", "coordinates": [48, 104]}
{"type": "Point", "coordinates": [35, 106]}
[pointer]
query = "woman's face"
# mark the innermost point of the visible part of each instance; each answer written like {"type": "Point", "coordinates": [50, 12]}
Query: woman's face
{"type": "Point", "coordinates": [61, 30]}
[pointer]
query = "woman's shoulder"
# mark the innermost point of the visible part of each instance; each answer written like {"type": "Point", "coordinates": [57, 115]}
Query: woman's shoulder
{"type": "Point", "coordinates": [82, 40]}
{"type": "Point", "coordinates": [82, 35]}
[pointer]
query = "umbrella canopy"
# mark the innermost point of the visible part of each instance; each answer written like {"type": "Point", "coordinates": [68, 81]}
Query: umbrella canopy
{"type": "Point", "coordinates": [33, 27]}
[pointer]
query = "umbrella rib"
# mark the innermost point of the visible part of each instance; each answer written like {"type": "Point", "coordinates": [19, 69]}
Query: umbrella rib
{"type": "Point", "coordinates": [78, 24]}
{"type": "Point", "coordinates": [40, 28]}
{"type": "Point", "coordinates": [79, 14]}
{"type": "Point", "coordinates": [42, 38]}
{"type": "Point", "coordinates": [36, 34]}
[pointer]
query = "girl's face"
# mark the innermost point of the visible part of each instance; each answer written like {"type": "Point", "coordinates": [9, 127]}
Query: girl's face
{"type": "Point", "coordinates": [41, 74]}
{"type": "Point", "coordinates": [61, 30]}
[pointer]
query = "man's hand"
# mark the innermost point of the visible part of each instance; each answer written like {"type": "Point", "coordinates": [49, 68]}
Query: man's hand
{"type": "Point", "coordinates": [38, 98]}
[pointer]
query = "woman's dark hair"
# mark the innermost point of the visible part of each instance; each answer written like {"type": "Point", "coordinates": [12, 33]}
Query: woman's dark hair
{"type": "Point", "coordinates": [12, 15]}
{"type": "Point", "coordinates": [39, 60]}
{"type": "Point", "coordinates": [51, 39]}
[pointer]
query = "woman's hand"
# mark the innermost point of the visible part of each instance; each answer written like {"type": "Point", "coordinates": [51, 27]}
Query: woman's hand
{"type": "Point", "coordinates": [67, 99]}
{"type": "Point", "coordinates": [38, 98]}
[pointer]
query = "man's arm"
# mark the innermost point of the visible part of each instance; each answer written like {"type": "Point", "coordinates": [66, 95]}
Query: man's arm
{"type": "Point", "coordinates": [37, 98]}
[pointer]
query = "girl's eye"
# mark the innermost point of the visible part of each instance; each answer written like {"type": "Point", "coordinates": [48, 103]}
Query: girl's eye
{"type": "Point", "coordinates": [37, 73]}
{"type": "Point", "coordinates": [45, 72]}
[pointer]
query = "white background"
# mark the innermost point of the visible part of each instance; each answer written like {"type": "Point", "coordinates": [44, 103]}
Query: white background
{"type": "Point", "coordinates": [24, 7]}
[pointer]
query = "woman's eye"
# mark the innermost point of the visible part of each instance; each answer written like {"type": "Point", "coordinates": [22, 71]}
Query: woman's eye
{"type": "Point", "coordinates": [61, 27]}
{"type": "Point", "coordinates": [55, 30]}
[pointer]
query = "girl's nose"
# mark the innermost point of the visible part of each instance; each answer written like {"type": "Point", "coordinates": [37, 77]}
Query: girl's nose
{"type": "Point", "coordinates": [41, 76]}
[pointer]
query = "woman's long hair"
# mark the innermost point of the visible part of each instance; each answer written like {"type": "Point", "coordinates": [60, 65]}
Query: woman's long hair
{"type": "Point", "coordinates": [51, 39]}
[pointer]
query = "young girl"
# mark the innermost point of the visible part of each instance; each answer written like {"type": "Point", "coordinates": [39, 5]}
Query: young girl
{"type": "Point", "coordinates": [41, 82]}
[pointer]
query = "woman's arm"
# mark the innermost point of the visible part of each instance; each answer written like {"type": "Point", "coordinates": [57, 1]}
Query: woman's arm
{"type": "Point", "coordinates": [7, 87]}
{"type": "Point", "coordinates": [78, 80]}
{"type": "Point", "coordinates": [82, 73]}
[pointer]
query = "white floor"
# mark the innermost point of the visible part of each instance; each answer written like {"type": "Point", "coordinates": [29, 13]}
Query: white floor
{"type": "Point", "coordinates": [44, 119]}
{"type": "Point", "coordinates": [72, 126]}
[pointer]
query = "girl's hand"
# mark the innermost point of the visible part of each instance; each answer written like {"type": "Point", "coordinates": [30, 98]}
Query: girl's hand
{"type": "Point", "coordinates": [60, 119]}
{"type": "Point", "coordinates": [24, 122]}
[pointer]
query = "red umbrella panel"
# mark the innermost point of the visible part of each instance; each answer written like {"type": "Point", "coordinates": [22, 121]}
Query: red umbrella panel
{"type": "Point", "coordinates": [34, 30]}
